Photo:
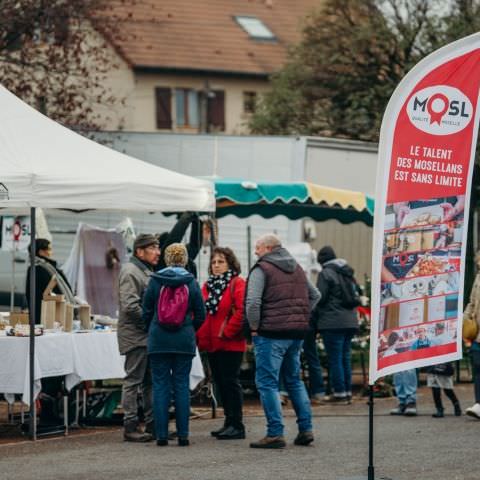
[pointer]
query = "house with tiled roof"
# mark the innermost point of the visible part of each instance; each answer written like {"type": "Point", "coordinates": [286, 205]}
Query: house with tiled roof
{"type": "Point", "coordinates": [199, 65]}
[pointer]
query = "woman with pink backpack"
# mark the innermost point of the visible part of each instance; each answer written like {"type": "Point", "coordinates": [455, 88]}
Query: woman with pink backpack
{"type": "Point", "coordinates": [173, 310]}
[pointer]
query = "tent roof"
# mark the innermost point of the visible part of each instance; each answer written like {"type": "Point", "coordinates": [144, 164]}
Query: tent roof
{"type": "Point", "coordinates": [43, 164]}
{"type": "Point", "coordinates": [293, 199]}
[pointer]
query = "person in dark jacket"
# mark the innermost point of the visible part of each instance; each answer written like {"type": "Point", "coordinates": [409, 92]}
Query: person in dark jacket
{"type": "Point", "coordinates": [336, 322]}
{"type": "Point", "coordinates": [278, 304]}
{"type": "Point", "coordinates": [171, 351]}
{"type": "Point", "coordinates": [222, 337]}
{"type": "Point", "coordinates": [45, 268]}
{"type": "Point", "coordinates": [176, 235]}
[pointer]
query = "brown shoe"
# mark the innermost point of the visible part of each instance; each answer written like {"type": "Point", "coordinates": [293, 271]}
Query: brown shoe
{"type": "Point", "coordinates": [270, 442]}
{"type": "Point", "coordinates": [137, 437]}
{"type": "Point", "coordinates": [304, 439]}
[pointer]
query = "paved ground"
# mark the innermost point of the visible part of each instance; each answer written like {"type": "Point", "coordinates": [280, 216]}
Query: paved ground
{"type": "Point", "coordinates": [418, 448]}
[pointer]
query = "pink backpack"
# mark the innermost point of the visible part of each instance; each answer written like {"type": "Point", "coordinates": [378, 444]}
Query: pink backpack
{"type": "Point", "coordinates": [172, 306]}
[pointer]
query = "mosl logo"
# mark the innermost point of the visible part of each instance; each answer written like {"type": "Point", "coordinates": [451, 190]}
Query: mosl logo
{"type": "Point", "coordinates": [440, 110]}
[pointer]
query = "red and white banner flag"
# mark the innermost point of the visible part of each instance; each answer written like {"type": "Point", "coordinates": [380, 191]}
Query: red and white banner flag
{"type": "Point", "coordinates": [426, 155]}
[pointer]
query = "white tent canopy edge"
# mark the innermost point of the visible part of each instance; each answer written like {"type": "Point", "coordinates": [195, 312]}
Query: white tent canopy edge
{"type": "Point", "coordinates": [43, 164]}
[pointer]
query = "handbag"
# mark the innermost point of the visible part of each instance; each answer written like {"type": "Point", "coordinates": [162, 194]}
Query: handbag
{"type": "Point", "coordinates": [231, 312]}
{"type": "Point", "coordinates": [470, 328]}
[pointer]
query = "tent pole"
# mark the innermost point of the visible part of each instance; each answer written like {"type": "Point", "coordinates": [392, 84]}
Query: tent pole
{"type": "Point", "coordinates": [249, 247]}
{"type": "Point", "coordinates": [32, 422]}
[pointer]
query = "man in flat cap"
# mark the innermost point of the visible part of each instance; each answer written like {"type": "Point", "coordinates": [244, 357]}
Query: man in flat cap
{"type": "Point", "coordinates": [132, 336]}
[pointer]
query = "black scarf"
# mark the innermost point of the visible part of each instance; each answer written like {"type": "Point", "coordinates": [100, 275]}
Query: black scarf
{"type": "Point", "coordinates": [216, 285]}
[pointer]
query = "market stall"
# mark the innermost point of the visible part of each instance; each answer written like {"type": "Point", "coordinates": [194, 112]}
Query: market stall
{"type": "Point", "coordinates": [43, 164]}
{"type": "Point", "coordinates": [294, 200]}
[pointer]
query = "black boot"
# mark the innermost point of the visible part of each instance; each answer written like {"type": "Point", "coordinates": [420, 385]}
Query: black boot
{"type": "Point", "coordinates": [216, 433]}
{"type": "Point", "coordinates": [232, 433]}
{"type": "Point", "coordinates": [450, 393]}
{"type": "Point", "coordinates": [438, 413]}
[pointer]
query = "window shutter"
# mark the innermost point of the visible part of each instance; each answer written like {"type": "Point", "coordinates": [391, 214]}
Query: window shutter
{"type": "Point", "coordinates": [216, 111]}
{"type": "Point", "coordinates": [163, 99]}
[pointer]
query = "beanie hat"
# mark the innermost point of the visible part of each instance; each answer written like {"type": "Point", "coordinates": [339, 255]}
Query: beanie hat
{"type": "Point", "coordinates": [176, 255]}
{"type": "Point", "coordinates": [326, 254]}
{"type": "Point", "coordinates": [145, 240]}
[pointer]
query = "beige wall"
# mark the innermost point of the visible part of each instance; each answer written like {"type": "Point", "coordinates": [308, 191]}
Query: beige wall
{"type": "Point", "coordinates": [142, 100]}
{"type": "Point", "coordinates": [119, 83]}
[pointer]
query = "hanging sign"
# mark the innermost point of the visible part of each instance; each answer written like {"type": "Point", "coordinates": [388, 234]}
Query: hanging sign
{"type": "Point", "coordinates": [15, 233]}
{"type": "Point", "coordinates": [426, 156]}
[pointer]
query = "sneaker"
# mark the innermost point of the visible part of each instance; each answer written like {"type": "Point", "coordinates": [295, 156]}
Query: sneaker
{"type": "Point", "coordinates": [304, 439]}
{"type": "Point", "coordinates": [474, 411]}
{"type": "Point", "coordinates": [410, 410]}
{"type": "Point", "coordinates": [400, 410]}
{"type": "Point", "coordinates": [270, 442]}
{"type": "Point", "coordinates": [317, 399]}
{"type": "Point", "coordinates": [335, 400]}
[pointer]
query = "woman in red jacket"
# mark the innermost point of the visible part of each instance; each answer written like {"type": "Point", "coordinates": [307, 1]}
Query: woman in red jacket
{"type": "Point", "coordinates": [221, 336]}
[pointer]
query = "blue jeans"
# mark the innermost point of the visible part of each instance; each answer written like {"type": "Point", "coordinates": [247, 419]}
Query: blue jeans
{"type": "Point", "coordinates": [315, 373]}
{"type": "Point", "coordinates": [171, 372]}
{"type": "Point", "coordinates": [405, 384]}
{"type": "Point", "coordinates": [339, 351]}
{"type": "Point", "coordinates": [270, 354]}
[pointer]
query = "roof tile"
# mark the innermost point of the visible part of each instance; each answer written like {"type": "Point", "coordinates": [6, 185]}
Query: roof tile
{"type": "Point", "coordinates": [203, 35]}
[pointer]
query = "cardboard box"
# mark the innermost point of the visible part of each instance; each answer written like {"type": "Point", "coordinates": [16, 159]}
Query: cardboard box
{"type": "Point", "coordinates": [68, 326]}
{"type": "Point", "coordinates": [48, 314]}
{"type": "Point", "coordinates": [19, 317]}
{"type": "Point", "coordinates": [84, 312]}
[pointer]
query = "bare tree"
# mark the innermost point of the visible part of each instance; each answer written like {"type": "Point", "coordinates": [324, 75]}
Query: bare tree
{"type": "Point", "coordinates": [56, 55]}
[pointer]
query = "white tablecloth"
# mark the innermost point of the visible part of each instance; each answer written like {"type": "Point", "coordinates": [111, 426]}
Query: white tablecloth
{"type": "Point", "coordinates": [78, 356]}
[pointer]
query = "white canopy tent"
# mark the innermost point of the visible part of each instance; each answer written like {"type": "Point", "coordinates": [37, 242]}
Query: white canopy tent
{"type": "Point", "coordinates": [43, 164]}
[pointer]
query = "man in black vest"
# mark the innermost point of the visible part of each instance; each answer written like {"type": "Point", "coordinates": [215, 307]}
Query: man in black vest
{"type": "Point", "coordinates": [278, 303]}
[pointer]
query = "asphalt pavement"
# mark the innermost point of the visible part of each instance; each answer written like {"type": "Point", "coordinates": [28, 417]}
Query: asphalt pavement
{"type": "Point", "coordinates": [418, 448]}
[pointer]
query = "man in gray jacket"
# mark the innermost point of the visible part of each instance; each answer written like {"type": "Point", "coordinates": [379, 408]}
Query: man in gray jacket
{"type": "Point", "coordinates": [132, 336]}
{"type": "Point", "coordinates": [278, 303]}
